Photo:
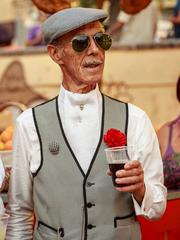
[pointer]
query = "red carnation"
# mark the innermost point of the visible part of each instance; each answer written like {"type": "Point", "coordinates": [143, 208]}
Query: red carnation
{"type": "Point", "coordinates": [115, 138]}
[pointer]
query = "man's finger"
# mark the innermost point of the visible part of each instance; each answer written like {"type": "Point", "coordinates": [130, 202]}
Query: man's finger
{"type": "Point", "coordinates": [132, 164]}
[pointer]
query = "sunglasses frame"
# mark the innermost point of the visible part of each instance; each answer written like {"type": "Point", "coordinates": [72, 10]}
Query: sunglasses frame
{"type": "Point", "coordinates": [87, 41]}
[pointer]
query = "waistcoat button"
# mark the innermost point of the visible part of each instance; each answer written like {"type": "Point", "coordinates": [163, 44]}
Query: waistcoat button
{"type": "Point", "coordinates": [89, 204]}
{"type": "Point", "coordinates": [90, 226]}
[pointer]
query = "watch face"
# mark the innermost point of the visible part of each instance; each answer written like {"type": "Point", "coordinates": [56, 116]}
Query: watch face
{"type": "Point", "coordinates": [133, 6]}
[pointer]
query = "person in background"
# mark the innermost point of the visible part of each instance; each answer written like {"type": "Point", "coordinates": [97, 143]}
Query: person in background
{"type": "Point", "coordinates": [169, 140]}
{"type": "Point", "coordinates": [175, 19]}
{"type": "Point", "coordinates": [34, 37]}
{"type": "Point", "coordinates": [113, 9]}
{"type": "Point", "coordinates": [59, 169]}
{"type": "Point", "coordinates": [136, 28]}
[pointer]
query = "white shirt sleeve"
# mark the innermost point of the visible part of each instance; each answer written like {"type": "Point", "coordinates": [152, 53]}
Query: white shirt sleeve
{"type": "Point", "coordinates": [142, 135]}
{"type": "Point", "coordinates": [20, 203]}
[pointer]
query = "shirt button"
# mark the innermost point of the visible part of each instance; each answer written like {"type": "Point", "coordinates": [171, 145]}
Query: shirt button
{"type": "Point", "coordinates": [90, 226]}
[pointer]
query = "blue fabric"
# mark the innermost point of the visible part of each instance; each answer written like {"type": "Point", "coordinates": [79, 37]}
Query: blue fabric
{"type": "Point", "coordinates": [177, 26]}
{"type": "Point", "coordinates": [33, 31]}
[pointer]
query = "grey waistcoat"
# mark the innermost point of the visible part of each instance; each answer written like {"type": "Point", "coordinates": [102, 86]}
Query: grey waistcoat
{"type": "Point", "coordinates": [72, 205]}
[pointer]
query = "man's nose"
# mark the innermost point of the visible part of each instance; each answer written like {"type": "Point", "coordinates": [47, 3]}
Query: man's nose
{"type": "Point", "coordinates": [93, 48]}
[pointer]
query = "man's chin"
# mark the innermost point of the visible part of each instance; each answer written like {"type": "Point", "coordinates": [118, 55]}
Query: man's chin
{"type": "Point", "coordinates": [88, 88]}
{"type": "Point", "coordinates": [93, 79]}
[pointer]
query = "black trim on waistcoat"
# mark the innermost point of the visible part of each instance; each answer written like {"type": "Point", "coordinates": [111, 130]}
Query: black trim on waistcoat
{"type": "Point", "coordinates": [60, 230]}
{"type": "Point", "coordinates": [40, 143]}
{"type": "Point", "coordinates": [65, 138]}
{"type": "Point", "coordinates": [127, 118]}
{"type": "Point", "coordinates": [39, 136]}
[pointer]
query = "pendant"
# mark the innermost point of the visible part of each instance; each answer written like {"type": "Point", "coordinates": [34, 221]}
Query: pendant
{"type": "Point", "coordinates": [81, 106]}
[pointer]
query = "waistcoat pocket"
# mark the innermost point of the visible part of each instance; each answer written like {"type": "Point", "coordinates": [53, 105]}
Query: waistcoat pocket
{"type": "Point", "coordinates": [45, 232]}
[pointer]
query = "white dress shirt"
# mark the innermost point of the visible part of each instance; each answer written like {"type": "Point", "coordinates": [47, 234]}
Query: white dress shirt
{"type": "Point", "coordinates": [80, 115]}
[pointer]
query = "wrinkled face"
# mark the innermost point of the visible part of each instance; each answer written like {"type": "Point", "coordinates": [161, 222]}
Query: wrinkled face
{"type": "Point", "coordinates": [81, 69]}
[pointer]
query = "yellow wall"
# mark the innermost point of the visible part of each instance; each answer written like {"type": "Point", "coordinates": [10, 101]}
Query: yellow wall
{"type": "Point", "coordinates": [151, 75]}
{"type": "Point", "coordinates": [7, 10]}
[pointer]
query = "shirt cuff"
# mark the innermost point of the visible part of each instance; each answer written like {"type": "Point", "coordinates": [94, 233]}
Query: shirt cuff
{"type": "Point", "coordinates": [154, 203]}
{"type": "Point", "coordinates": [146, 203]}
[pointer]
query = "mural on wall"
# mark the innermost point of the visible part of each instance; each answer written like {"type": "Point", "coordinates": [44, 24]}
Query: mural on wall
{"type": "Point", "coordinates": [13, 86]}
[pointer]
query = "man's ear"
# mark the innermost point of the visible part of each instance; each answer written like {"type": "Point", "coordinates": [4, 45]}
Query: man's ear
{"type": "Point", "coordinates": [55, 53]}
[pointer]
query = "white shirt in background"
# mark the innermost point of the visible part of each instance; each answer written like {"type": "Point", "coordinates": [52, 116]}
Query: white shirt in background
{"type": "Point", "coordinates": [139, 28]}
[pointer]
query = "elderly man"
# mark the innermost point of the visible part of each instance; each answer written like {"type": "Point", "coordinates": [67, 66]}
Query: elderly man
{"type": "Point", "coordinates": [59, 168]}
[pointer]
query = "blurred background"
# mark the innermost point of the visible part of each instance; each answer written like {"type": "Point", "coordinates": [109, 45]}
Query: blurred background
{"type": "Point", "coordinates": [20, 15]}
{"type": "Point", "coordinates": [144, 73]}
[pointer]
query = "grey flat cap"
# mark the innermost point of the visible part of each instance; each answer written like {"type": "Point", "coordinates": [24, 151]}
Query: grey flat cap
{"type": "Point", "coordinates": [69, 19]}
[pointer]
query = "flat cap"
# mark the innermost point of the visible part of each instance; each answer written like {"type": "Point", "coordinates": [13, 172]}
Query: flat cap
{"type": "Point", "coordinates": [69, 19]}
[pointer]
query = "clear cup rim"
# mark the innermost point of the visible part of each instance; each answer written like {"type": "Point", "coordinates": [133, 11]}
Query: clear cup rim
{"type": "Point", "coordinates": [119, 148]}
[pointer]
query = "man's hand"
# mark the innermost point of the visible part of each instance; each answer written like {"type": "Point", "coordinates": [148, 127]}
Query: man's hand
{"type": "Point", "coordinates": [133, 176]}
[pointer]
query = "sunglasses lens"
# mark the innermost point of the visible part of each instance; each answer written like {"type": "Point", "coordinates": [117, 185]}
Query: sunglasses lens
{"type": "Point", "coordinates": [103, 40]}
{"type": "Point", "coordinates": [80, 43]}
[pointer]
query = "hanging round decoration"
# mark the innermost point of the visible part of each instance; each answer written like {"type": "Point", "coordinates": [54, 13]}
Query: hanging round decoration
{"type": "Point", "coordinates": [133, 6]}
{"type": "Point", "coordinates": [51, 6]}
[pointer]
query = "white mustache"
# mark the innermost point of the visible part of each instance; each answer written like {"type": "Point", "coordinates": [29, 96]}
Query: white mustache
{"type": "Point", "coordinates": [92, 62]}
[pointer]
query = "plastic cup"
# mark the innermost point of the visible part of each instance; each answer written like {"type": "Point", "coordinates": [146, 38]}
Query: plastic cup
{"type": "Point", "coordinates": [117, 157]}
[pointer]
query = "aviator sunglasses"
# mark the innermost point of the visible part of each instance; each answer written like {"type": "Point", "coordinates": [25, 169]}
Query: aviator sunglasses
{"type": "Point", "coordinates": [82, 42]}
